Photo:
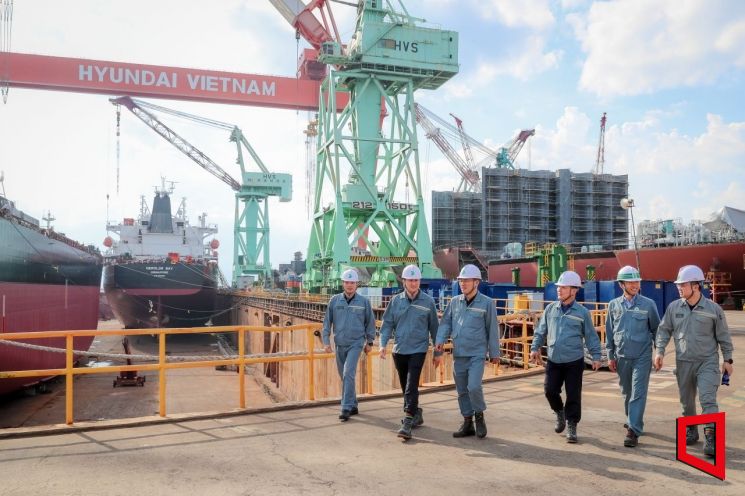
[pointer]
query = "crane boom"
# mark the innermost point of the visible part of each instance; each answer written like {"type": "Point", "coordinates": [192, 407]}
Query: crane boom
{"type": "Point", "coordinates": [306, 23]}
{"type": "Point", "coordinates": [45, 72]}
{"type": "Point", "coordinates": [469, 177]}
{"type": "Point", "coordinates": [464, 141]}
{"type": "Point", "coordinates": [180, 143]}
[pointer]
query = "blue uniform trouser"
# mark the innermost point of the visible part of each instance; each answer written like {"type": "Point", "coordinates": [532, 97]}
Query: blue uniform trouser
{"type": "Point", "coordinates": [468, 373]}
{"type": "Point", "coordinates": [633, 377]}
{"type": "Point", "coordinates": [704, 376]}
{"type": "Point", "coordinates": [347, 358]}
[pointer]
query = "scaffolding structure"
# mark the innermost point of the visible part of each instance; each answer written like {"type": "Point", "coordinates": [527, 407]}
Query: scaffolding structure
{"type": "Point", "coordinates": [579, 210]}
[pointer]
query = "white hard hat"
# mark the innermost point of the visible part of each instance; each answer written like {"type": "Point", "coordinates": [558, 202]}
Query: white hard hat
{"type": "Point", "coordinates": [411, 272]}
{"type": "Point", "coordinates": [690, 273]}
{"type": "Point", "coordinates": [350, 275]}
{"type": "Point", "coordinates": [569, 278]}
{"type": "Point", "coordinates": [628, 273]}
{"type": "Point", "coordinates": [470, 271]}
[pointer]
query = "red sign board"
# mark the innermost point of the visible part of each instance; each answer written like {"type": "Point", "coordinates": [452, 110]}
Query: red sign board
{"type": "Point", "coordinates": [717, 468]}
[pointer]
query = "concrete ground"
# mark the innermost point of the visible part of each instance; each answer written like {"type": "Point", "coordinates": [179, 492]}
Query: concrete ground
{"type": "Point", "coordinates": [309, 451]}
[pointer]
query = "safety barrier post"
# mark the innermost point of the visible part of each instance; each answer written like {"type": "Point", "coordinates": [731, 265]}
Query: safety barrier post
{"type": "Point", "coordinates": [162, 372]}
{"type": "Point", "coordinates": [526, 350]}
{"type": "Point", "coordinates": [242, 366]}
{"type": "Point", "coordinates": [68, 379]}
{"type": "Point", "coordinates": [369, 364]}
{"type": "Point", "coordinates": [311, 364]}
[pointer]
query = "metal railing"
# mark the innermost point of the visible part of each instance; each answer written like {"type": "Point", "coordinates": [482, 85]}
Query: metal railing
{"type": "Point", "coordinates": [516, 321]}
{"type": "Point", "coordinates": [165, 363]}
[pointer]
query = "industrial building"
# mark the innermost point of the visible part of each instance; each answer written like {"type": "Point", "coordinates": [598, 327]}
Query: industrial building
{"type": "Point", "coordinates": [580, 210]}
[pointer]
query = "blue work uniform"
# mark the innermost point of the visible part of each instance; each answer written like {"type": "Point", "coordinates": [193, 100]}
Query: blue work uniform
{"type": "Point", "coordinates": [353, 325]}
{"type": "Point", "coordinates": [699, 334]}
{"type": "Point", "coordinates": [473, 330]}
{"type": "Point", "coordinates": [566, 329]}
{"type": "Point", "coordinates": [412, 323]}
{"type": "Point", "coordinates": [630, 329]}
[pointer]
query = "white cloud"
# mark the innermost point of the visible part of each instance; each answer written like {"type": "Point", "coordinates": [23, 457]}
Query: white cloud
{"type": "Point", "coordinates": [633, 48]}
{"type": "Point", "coordinates": [714, 198]}
{"type": "Point", "coordinates": [645, 146]}
{"type": "Point", "coordinates": [672, 175]}
{"type": "Point", "coordinates": [523, 64]}
{"type": "Point", "coordinates": [534, 14]}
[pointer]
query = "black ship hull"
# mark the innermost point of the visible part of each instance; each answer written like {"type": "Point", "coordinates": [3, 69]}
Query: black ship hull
{"type": "Point", "coordinates": [161, 293]}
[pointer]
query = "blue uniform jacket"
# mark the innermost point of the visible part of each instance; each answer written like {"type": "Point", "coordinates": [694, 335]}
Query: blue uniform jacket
{"type": "Point", "coordinates": [412, 323]}
{"type": "Point", "coordinates": [565, 333]}
{"type": "Point", "coordinates": [630, 332]}
{"type": "Point", "coordinates": [353, 322]}
{"type": "Point", "coordinates": [473, 328]}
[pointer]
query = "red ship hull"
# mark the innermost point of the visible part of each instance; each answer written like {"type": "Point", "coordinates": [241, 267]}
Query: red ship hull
{"type": "Point", "coordinates": [43, 307]}
{"type": "Point", "coordinates": [663, 263]}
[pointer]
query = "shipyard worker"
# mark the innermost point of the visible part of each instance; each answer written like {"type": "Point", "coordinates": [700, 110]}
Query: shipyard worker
{"type": "Point", "coordinates": [566, 327]}
{"type": "Point", "coordinates": [470, 321]}
{"type": "Point", "coordinates": [700, 331]}
{"type": "Point", "coordinates": [629, 338]}
{"type": "Point", "coordinates": [411, 320]}
{"type": "Point", "coordinates": [351, 318]}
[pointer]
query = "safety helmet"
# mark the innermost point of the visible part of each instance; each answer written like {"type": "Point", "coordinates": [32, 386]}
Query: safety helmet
{"type": "Point", "coordinates": [350, 275]}
{"type": "Point", "coordinates": [569, 278]}
{"type": "Point", "coordinates": [690, 273]}
{"type": "Point", "coordinates": [628, 274]}
{"type": "Point", "coordinates": [411, 272]}
{"type": "Point", "coordinates": [470, 271]}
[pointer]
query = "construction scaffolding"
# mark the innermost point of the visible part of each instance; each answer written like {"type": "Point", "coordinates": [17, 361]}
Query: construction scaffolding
{"type": "Point", "coordinates": [579, 210]}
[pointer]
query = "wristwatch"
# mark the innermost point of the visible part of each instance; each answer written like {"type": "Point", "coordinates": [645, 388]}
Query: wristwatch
{"type": "Point", "coordinates": [730, 361]}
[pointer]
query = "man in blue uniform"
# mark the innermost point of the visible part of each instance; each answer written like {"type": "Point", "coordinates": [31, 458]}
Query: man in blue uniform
{"type": "Point", "coordinates": [566, 327]}
{"type": "Point", "coordinates": [700, 330]}
{"type": "Point", "coordinates": [351, 317]}
{"type": "Point", "coordinates": [411, 320]}
{"type": "Point", "coordinates": [629, 338]}
{"type": "Point", "coordinates": [470, 320]}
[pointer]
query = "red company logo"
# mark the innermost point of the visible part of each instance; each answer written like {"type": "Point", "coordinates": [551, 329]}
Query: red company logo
{"type": "Point", "coordinates": [717, 468]}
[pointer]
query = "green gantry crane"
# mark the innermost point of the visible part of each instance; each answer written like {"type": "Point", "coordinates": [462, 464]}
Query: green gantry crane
{"type": "Point", "coordinates": [389, 56]}
{"type": "Point", "coordinates": [251, 228]}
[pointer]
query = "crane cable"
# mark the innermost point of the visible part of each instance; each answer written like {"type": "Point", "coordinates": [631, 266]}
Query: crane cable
{"type": "Point", "coordinates": [118, 135]}
{"type": "Point", "coordinates": [6, 21]}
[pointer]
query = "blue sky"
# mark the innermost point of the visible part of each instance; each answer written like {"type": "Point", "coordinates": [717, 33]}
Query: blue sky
{"type": "Point", "coordinates": [670, 75]}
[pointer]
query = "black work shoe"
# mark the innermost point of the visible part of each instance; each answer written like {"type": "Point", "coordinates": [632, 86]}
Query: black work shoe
{"type": "Point", "coordinates": [561, 422]}
{"type": "Point", "coordinates": [571, 432]}
{"type": "Point", "coordinates": [691, 435]}
{"type": "Point", "coordinates": [710, 445]}
{"type": "Point", "coordinates": [480, 425]}
{"type": "Point", "coordinates": [631, 439]}
{"type": "Point", "coordinates": [344, 415]}
{"type": "Point", "coordinates": [418, 417]}
{"type": "Point", "coordinates": [405, 431]}
{"type": "Point", "coordinates": [354, 411]}
{"type": "Point", "coordinates": [466, 429]}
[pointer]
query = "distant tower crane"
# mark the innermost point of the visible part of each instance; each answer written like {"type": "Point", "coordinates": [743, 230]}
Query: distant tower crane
{"type": "Point", "coordinates": [438, 130]}
{"type": "Point", "coordinates": [251, 228]}
{"type": "Point", "coordinates": [600, 160]}
{"type": "Point", "coordinates": [388, 57]}
{"type": "Point", "coordinates": [470, 181]}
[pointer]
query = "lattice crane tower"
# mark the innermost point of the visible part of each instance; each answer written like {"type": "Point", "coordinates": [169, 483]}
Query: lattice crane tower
{"type": "Point", "coordinates": [374, 138]}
